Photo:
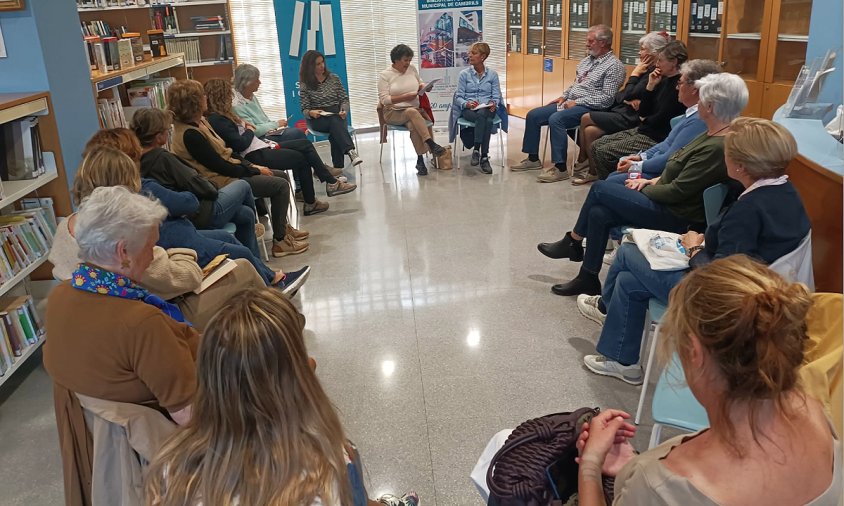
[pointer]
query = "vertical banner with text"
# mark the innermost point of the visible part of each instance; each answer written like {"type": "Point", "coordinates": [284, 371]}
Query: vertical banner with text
{"type": "Point", "coordinates": [447, 28]}
{"type": "Point", "coordinates": [301, 26]}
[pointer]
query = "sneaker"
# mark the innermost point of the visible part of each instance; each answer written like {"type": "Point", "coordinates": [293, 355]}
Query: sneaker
{"type": "Point", "coordinates": [260, 230]}
{"type": "Point", "coordinates": [486, 168]}
{"type": "Point", "coordinates": [356, 160]}
{"type": "Point", "coordinates": [552, 176]}
{"type": "Point", "coordinates": [476, 158]}
{"type": "Point", "coordinates": [298, 235]}
{"type": "Point", "coordinates": [339, 188]}
{"type": "Point", "coordinates": [293, 281]}
{"type": "Point", "coordinates": [584, 179]}
{"type": "Point", "coordinates": [609, 258]}
{"type": "Point", "coordinates": [588, 306]}
{"type": "Point", "coordinates": [408, 499]}
{"type": "Point", "coordinates": [289, 246]}
{"type": "Point", "coordinates": [579, 168]}
{"type": "Point", "coordinates": [600, 364]}
{"type": "Point", "coordinates": [335, 171]}
{"type": "Point", "coordinates": [317, 207]}
{"type": "Point", "coordinates": [526, 164]}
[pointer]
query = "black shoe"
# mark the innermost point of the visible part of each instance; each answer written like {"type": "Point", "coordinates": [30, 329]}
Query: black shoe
{"type": "Point", "coordinates": [585, 282]}
{"type": "Point", "coordinates": [476, 158]}
{"type": "Point", "coordinates": [437, 150]}
{"type": "Point", "coordinates": [486, 168]}
{"type": "Point", "coordinates": [421, 169]}
{"type": "Point", "coordinates": [564, 248]}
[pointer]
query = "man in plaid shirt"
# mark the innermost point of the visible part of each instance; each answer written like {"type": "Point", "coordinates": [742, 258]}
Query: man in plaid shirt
{"type": "Point", "coordinates": [599, 76]}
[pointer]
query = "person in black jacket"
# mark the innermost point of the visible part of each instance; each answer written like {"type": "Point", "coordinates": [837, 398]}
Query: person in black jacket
{"type": "Point", "coordinates": [298, 155]}
{"type": "Point", "coordinates": [766, 222]}
{"type": "Point", "coordinates": [624, 112]}
{"type": "Point", "coordinates": [658, 105]}
{"type": "Point", "coordinates": [232, 203]}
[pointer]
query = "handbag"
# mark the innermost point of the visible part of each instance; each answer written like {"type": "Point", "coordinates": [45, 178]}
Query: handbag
{"type": "Point", "coordinates": [661, 249]}
{"type": "Point", "coordinates": [444, 161]}
{"type": "Point", "coordinates": [536, 466]}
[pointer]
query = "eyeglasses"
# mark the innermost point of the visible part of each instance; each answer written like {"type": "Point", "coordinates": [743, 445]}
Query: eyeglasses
{"type": "Point", "coordinates": [680, 81]}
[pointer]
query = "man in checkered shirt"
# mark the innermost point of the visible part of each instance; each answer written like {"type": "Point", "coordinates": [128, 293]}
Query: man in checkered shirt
{"type": "Point", "coordinates": [599, 76]}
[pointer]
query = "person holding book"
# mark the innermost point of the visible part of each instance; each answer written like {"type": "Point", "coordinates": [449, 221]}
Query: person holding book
{"type": "Point", "coordinates": [298, 155]}
{"type": "Point", "coordinates": [478, 95]}
{"type": "Point", "coordinates": [110, 338]}
{"type": "Point", "coordinates": [399, 88]}
{"type": "Point", "coordinates": [325, 105]}
{"type": "Point", "coordinates": [263, 431]}
{"type": "Point", "coordinates": [247, 80]}
{"type": "Point", "coordinates": [176, 269]}
{"type": "Point", "coordinates": [196, 142]}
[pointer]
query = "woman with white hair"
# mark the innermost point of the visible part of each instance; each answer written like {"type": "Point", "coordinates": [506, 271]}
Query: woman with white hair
{"type": "Point", "coordinates": [110, 338]}
{"type": "Point", "coordinates": [672, 202]}
{"type": "Point", "coordinates": [623, 114]}
{"type": "Point", "coordinates": [247, 80]}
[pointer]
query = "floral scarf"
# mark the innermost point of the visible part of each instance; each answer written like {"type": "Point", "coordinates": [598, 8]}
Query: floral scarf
{"type": "Point", "coordinates": [95, 280]}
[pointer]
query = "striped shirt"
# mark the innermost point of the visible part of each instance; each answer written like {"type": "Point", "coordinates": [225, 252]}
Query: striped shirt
{"type": "Point", "coordinates": [598, 79]}
{"type": "Point", "coordinates": [329, 95]}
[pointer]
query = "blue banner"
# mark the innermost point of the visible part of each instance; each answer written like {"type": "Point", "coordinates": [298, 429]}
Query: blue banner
{"type": "Point", "coordinates": [305, 25]}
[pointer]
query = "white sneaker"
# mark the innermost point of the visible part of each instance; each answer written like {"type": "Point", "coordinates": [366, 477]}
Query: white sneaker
{"type": "Point", "coordinates": [600, 364]}
{"type": "Point", "coordinates": [356, 160]}
{"type": "Point", "coordinates": [609, 258]}
{"type": "Point", "coordinates": [588, 306]}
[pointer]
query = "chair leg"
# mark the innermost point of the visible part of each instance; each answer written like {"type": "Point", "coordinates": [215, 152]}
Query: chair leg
{"type": "Point", "coordinates": [501, 147]}
{"type": "Point", "coordinates": [454, 149]}
{"type": "Point", "coordinates": [648, 369]}
{"type": "Point", "coordinates": [545, 144]}
{"type": "Point", "coordinates": [381, 154]}
{"type": "Point", "coordinates": [292, 209]}
{"type": "Point", "coordinates": [645, 334]}
{"type": "Point", "coordinates": [655, 433]}
{"type": "Point", "coordinates": [261, 240]}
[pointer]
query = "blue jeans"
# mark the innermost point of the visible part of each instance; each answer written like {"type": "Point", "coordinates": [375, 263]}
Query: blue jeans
{"type": "Point", "coordinates": [482, 118]}
{"type": "Point", "coordinates": [223, 242]}
{"type": "Point", "coordinates": [235, 204]}
{"type": "Point", "coordinates": [630, 284]}
{"type": "Point", "coordinates": [610, 205]}
{"type": "Point", "coordinates": [558, 122]}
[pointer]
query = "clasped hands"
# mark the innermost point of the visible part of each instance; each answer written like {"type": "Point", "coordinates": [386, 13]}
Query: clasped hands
{"type": "Point", "coordinates": [604, 442]}
{"type": "Point", "coordinates": [567, 104]}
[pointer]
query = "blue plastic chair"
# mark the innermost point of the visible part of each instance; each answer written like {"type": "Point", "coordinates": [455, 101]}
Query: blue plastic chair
{"type": "Point", "coordinates": [465, 123]}
{"type": "Point", "coordinates": [654, 315]}
{"type": "Point", "coordinates": [317, 133]}
{"type": "Point", "coordinates": [675, 120]}
{"type": "Point", "coordinates": [393, 129]}
{"type": "Point", "coordinates": [674, 404]}
{"type": "Point", "coordinates": [713, 200]}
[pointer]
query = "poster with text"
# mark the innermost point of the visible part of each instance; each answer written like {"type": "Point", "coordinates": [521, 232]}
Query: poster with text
{"type": "Point", "coordinates": [447, 28]}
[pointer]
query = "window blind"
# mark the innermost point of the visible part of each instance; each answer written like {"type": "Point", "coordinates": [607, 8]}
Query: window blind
{"type": "Point", "coordinates": [256, 43]}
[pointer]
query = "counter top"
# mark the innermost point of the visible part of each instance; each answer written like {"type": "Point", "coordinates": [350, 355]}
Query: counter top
{"type": "Point", "coordinates": [814, 143]}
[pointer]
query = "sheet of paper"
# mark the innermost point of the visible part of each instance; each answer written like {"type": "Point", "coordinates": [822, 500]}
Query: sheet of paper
{"type": "Point", "coordinates": [428, 87]}
{"type": "Point", "coordinates": [326, 113]}
{"type": "Point", "coordinates": [2, 46]}
{"type": "Point", "coordinates": [480, 106]}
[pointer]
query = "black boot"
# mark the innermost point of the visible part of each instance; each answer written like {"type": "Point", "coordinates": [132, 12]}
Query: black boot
{"type": "Point", "coordinates": [564, 248]}
{"type": "Point", "coordinates": [585, 282]}
{"type": "Point", "coordinates": [421, 169]}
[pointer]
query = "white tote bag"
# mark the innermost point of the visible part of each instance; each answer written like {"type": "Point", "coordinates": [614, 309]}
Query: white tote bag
{"type": "Point", "coordinates": [661, 249]}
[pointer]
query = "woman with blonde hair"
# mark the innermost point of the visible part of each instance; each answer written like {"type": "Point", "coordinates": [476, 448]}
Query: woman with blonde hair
{"type": "Point", "coordinates": [766, 222]}
{"type": "Point", "coordinates": [739, 331]}
{"type": "Point", "coordinates": [263, 430]}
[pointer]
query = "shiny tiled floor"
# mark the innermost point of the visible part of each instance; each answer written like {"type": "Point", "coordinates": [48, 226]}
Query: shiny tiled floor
{"type": "Point", "coordinates": [430, 316]}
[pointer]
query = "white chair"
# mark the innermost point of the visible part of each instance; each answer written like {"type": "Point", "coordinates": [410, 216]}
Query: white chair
{"type": "Point", "coordinates": [797, 265]}
{"type": "Point", "coordinates": [465, 123]}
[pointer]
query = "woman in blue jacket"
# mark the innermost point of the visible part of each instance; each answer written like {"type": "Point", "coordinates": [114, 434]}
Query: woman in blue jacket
{"type": "Point", "coordinates": [478, 94]}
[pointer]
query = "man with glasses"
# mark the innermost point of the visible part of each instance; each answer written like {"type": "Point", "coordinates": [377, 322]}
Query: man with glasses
{"type": "Point", "coordinates": [598, 78]}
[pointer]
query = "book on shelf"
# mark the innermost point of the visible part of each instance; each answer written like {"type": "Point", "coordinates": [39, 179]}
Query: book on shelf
{"type": "Point", "coordinates": [187, 45]}
{"type": "Point", "coordinates": [226, 50]}
{"type": "Point", "coordinates": [25, 237]}
{"type": "Point", "coordinates": [21, 155]}
{"type": "Point", "coordinates": [150, 93]}
{"type": "Point", "coordinates": [163, 17]}
{"type": "Point", "coordinates": [705, 16]}
{"type": "Point", "coordinates": [208, 23]}
{"type": "Point", "coordinates": [43, 205]}
{"type": "Point", "coordinates": [21, 328]}
{"type": "Point", "coordinates": [111, 114]}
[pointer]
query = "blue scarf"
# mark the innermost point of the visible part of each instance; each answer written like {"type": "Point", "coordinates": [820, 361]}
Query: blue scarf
{"type": "Point", "coordinates": [95, 280]}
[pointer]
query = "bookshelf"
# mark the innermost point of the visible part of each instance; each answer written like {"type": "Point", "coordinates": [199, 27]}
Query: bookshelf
{"type": "Point", "coordinates": [52, 183]}
{"type": "Point", "coordinates": [763, 41]}
{"type": "Point", "coordinates": [209, 51]}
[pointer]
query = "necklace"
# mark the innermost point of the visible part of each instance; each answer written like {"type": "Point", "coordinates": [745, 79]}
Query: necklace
{"type": "Point", "coordinates": [717, 131]}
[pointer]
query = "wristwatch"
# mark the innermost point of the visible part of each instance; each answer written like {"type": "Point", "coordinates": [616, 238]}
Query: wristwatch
{"type": "Point", "coordinates": [692, 250]}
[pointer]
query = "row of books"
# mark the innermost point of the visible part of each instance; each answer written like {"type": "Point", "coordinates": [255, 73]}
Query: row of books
{"type": "Point", "coordinates": [101, 4]}
{"type": "Point", "coordinates": [515, 15]}
{"type": "Point", "coordinates": [706, 16]}
{"type": "Point", "coordinates": [100, 28]}
{"type": "Point", "coordinates": [208, 23]}
{"type": "Point", "coordinates": [579, 17]}
{"type": "Point", "coordinates": [111, 113]}
{"type": "Point", "coordinates": [21, 328]}
{"type": "Point", "coordinates": [634, 15]}
{"type": "Point", "coordinates": [25, 236]}
{"type": "Point", "coordinates": [21, 154]}
{"type": "Point", "coordinates": [188, 45]}
{"type": "Point", "coordinates": [664, 16]}
{"type": "Point", "coordinates": [554, 15]}
{"type": "Point", "coordinates": [163, 17]}
{"type": "Point", "coordinates": [150, 93]}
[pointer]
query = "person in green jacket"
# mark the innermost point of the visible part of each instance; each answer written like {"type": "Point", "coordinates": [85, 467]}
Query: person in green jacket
{"type": "Point", "coordinates": [671, 202]}
{"type": "Point", "coordinates": [247, 80]}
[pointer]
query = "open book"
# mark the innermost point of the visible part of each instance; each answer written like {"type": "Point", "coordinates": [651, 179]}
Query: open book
{"type": "Point", "coordinates": [428, 87]}
{"type": "Point", "coordinates": [214, 271]}
{"type": "Point", "coordinates": [480, 106]}
{"type": "Point", "coordinates": [326, 113]}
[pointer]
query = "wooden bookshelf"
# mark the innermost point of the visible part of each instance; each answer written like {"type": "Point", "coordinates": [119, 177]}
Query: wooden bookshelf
{"type": "Point", "coordinates": [171, 65]}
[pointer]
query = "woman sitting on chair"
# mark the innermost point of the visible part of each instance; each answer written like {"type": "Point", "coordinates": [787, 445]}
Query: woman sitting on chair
{"type": "Point", "coordinates": [398, 92]}
{"type": "Point", "coordinates": [766, 222]}
{"type": "Point", "coordinates": [264, 432]}
{"type": "Point", "coordinates": [297, 155]}
{"type": "Point", "coordinates": [325, 105]}
{"type": "Point", "coordinates": [739, 331]}
{"type": "Point", "coordinates": [672, 202]}
{"type": "Point", "coordinates": [247, 80]}
{"type": "Point", "coordinates": [478, 94]}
